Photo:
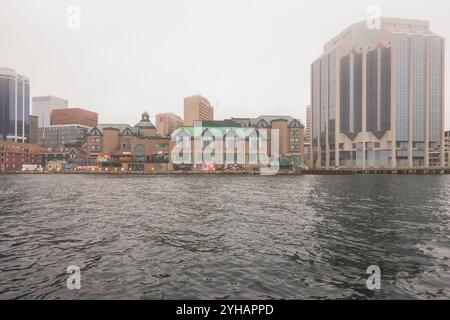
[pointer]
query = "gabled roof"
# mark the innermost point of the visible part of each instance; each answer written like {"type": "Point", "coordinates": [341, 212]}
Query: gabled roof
{"type": "Point", "coordinates": [269, 119]}
{"type": "Point", "coordinates": [240, 132]}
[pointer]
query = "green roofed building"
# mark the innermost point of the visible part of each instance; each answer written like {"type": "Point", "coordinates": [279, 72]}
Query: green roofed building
{"type": "Point", "coordinates": [288, 131]}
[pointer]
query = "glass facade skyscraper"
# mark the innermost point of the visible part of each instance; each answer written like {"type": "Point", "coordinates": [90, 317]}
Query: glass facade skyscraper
{"type": "Point", "coordinates": [14, 106]}
{"type": "Point", "coordinates": [382, 91]}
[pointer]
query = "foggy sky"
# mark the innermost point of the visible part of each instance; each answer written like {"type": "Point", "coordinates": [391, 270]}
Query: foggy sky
{"type": "Point", "coordinates": [247, 57]}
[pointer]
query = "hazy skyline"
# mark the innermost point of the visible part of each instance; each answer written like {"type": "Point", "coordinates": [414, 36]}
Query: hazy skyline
{"type": "Point", "coordinates": [247, 57]}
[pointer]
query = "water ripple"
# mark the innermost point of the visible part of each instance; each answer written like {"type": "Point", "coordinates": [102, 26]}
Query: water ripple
{"type": "Point", "coordinates": [224, 237]}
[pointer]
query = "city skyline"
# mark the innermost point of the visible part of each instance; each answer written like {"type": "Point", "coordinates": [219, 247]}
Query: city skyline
{"type": "Point", "coordinates": [274, 81]}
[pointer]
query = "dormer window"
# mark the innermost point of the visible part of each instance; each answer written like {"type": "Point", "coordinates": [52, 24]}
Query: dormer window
{"type": "Point", "coordinates": [263, 124]}
{"type": "Point", "coordinates": [295, 124]}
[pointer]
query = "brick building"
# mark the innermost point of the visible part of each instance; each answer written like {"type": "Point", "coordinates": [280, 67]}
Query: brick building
{"type": "Point", "coordinates": [137, 148]}
{"type": "Point", "coordinates": [13, 155]}
{"type": "Point", "coordinates": [238, 141]}
{"type": "Point", "coordinates": [74, 116]}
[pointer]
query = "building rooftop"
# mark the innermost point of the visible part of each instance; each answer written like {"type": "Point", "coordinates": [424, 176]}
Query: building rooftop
{"type": "Point", "coordinates": [360, 30]}
{"type": "Point", "coordinates": [8, 72]}
{"type": "Point", "coordinates": [145, 122]}
{"type": "Point", "coordinates": [220, 123]}
{"type": "Point", "coordinates": [120, 127]}
{"type": "Point", "coordinates": [269, 119]}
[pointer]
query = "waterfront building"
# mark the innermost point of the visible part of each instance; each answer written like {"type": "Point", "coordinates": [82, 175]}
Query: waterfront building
{"type": "Point", "coordinates": [447, 148]}
{"type": "Point", "coordinates": [136, 148]}
{"type": "Point", "coordinates": [248, 139]}
{"type": "Point", "coordinates": [43, 107]}
{"type": "Point", "coordinates": [34, 132]}
{"type": "Point", "coordinates": [192, 159]}
{"type": "Point", "coordinates": [67, 155]}
{"type": "Point", "coordinates": [166, 123]}
{"type": "Point", "coordinates": [308, 135]}
{"type": "Point", "coordinates": [14, 154]}
{"type": "Point", "coordinates": [377, 98]}
{"type": "Point", "coordinates": [74, 116]}
{"type": "Point", "coordinates": [291, 132]}
{"type": "Point", "coordinates": [197, 108]}
{"type": "Point", "coordinates": [58, 136]}
{"type": "Point", "coordinates": [55, 166]}
{"type": "Point", "coordinates": [14, 106]}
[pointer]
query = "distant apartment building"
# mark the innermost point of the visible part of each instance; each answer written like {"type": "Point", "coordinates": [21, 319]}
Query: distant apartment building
{"type": "Point", "coordinates": [197, 108]}
{"type": "Point", "coordinates": [43, 107]}
{"type": "Point", "coordinates": [74, 116]}
{"type": "Point", "coordinates": [377, 98]}
{"type": "Point", "coordinates": [14, 154]}
{"type": "Point", "coordinates": [166, 123]}
{"type": "Point", "coordinates": [14, 106]}
{"type": "Point", "coordinates": [34, 132]}
{"type": "Point", "coordinates": [136, 148]}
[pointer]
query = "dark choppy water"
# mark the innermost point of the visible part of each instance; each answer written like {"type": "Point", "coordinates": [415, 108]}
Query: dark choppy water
{"type": "Point", "coordinates": [235, 237]}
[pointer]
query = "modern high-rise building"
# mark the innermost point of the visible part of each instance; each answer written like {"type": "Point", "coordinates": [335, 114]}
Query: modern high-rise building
{"type": "Point", "coordinates": [43, 107]}
{"type": "Point", "coordinates": [197, 108]}
{"type": "Point", "coordinates": [74, 116]}
{"type": "Point", "coordinates": [377, 98]}
{"type": "Point", "coordinates": [166, 123]}
{"type": "Point", "coordinates": [14, 106]}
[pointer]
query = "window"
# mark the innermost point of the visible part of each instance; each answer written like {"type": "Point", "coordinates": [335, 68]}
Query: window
{"type": "Point", "coordinates": [208, 141]}
{"type": "Point", "coordinates": [140, 153]}
{"type": "Point", "coordinates": [231, 142]}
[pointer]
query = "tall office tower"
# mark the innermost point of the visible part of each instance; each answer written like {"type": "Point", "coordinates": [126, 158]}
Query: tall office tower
{"type": "Point", "coordinates": [197, 108]}
{"type": "Point", "coordinates": [377, 98]}
{"type": "Point", "coordinates": [43, 107]}
{"type": "Point", "coordinates": [166, 123]}
{"type": "Point", "coordinates": [14, 106]}
{"type": "Point", "coordinates": [308, 125]}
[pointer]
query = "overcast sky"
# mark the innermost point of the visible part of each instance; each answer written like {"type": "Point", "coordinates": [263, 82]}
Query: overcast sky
{"type": "Point", "coordinates": [247, 57]}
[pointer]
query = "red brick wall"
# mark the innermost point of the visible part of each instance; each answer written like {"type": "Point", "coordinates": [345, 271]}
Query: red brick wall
{"type": "Point", "coordinates": [74, 116]}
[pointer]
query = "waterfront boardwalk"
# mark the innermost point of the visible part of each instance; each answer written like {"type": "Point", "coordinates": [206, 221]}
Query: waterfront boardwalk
{"type": "Point", "coordinates": [418, 171]}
